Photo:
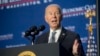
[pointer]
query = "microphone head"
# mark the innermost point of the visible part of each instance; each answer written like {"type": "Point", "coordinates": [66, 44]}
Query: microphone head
{"type": "Point", "coordinates": [41, 28]}
{"type": "Point", "coordinates": [27, 33]}
{"type": "Point", "coordinates": [34, 31]}
{"type": "Point", "coordinates": [31, 29]}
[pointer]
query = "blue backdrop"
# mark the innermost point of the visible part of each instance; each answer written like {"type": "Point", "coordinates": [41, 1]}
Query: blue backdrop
{"type": "Point", "coordinates": [18, 15]}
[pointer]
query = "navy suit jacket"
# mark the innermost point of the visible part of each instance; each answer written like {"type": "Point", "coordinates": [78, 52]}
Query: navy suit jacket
{"type": "Point", "coordinates": [66, 41]}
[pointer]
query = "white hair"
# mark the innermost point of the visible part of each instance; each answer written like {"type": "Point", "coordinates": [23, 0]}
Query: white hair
{"type": "Point", "coordinates": [56, 5]}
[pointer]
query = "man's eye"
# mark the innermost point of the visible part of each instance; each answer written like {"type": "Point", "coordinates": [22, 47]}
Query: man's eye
{"type": "Point", "coordinates": [50, 13]}
{"type": "Point", "coordinates": [58, 13]}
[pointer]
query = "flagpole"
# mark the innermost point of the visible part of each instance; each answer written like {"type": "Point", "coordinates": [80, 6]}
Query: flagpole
{"type": "Point", "coordinates": [91, 44]}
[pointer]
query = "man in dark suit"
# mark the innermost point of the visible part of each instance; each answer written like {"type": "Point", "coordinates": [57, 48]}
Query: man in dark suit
{"type": "Point", "coordinates": [69, 41]}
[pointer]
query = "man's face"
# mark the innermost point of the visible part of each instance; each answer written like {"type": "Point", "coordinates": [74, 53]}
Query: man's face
{"type": "Point", "coordinates": [53, 16]}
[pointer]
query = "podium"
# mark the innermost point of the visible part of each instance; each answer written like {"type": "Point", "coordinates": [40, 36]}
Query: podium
{"type": "Point", "coordinates": [52, 49]}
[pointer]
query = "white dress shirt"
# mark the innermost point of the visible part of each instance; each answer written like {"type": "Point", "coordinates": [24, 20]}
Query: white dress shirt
{"type": "Point", "coordinates": [58, 31]}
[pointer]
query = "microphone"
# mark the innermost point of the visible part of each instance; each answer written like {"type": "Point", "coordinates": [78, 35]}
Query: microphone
{"type": "Point", "coordinates": [31, 29]}
{"type": "Point", "coordinates": [34, 30]}
{"type": "Point", "coordinates": [41, 28]}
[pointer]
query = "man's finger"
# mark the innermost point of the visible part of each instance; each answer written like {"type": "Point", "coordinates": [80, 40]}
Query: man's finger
{"type": "Point", "coordinates": [76, 42]}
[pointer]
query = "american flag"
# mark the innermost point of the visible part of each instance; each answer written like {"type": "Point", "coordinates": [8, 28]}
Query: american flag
{"type": "Point", "coordinates": [91, 46]}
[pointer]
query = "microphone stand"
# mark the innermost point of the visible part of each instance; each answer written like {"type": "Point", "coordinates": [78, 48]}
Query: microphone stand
{"type": "Point", "coordinates": [33, 34]}
{"type": "Point", "coordinates": [33, 38]}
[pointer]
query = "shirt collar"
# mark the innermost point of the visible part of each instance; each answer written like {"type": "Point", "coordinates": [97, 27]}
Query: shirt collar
{"type": "Point", "coordinates": [57, 30]}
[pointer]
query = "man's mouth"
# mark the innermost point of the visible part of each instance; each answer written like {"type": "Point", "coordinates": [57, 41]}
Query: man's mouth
{"type": "Point", "coordinates": [54, 20]}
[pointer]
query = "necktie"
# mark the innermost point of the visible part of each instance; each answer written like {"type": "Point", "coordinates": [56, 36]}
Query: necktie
{"type": "Point", "coordinates": [52, 40]}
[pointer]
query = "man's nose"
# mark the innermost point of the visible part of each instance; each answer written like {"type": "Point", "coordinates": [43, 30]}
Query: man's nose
{"type": "Point", "coordinates": [54, 15]}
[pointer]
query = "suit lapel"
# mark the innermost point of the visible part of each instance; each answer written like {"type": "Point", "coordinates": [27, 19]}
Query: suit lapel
{"type": "Point", "coordinates": [46, 36]}
{"type": "Point", "coordinates": [62, 35]}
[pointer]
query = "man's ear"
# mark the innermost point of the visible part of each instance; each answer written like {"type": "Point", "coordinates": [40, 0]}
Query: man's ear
{"type": "Point", "coordinates": [46, 18]}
